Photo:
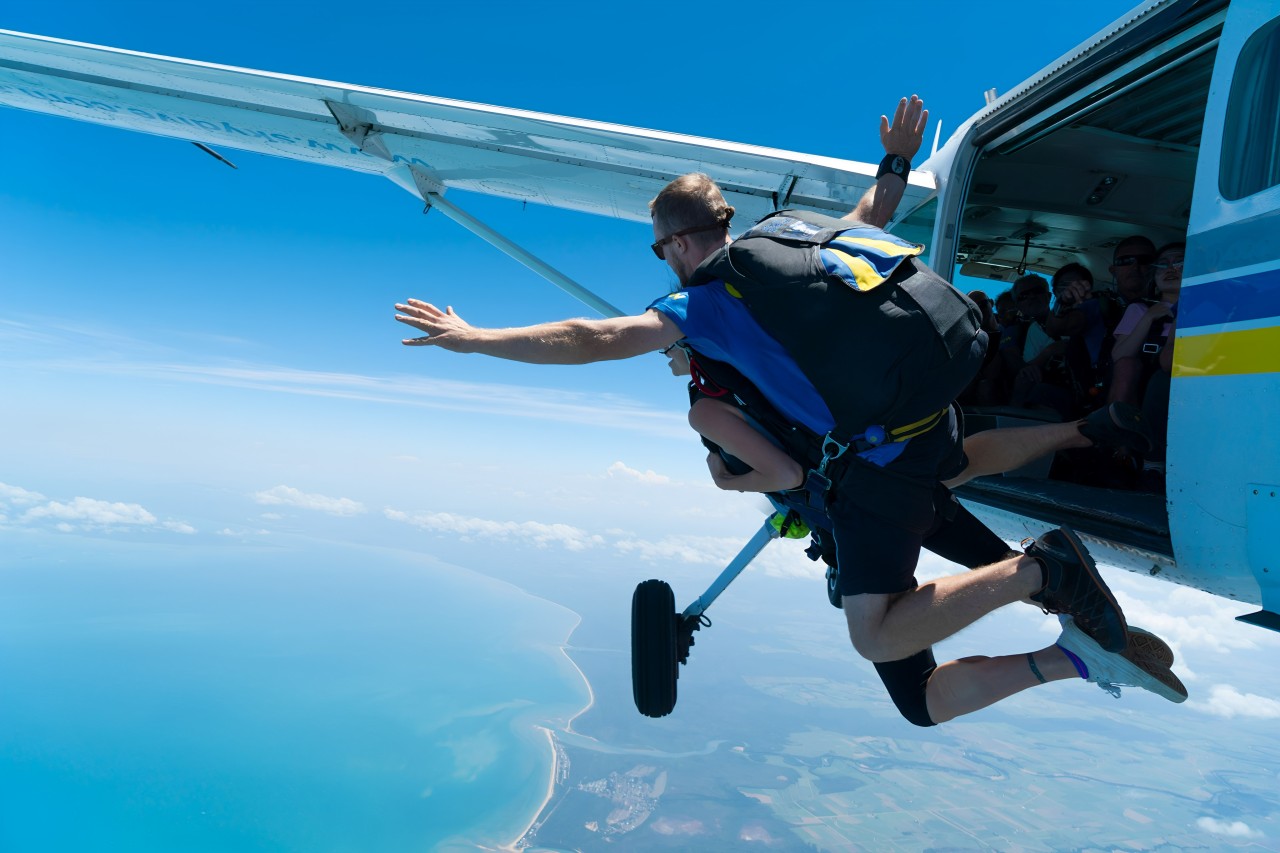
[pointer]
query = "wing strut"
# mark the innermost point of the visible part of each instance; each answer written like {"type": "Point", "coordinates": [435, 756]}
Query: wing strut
{"type": "Point", "coordinates": [432, 192]}
{"type": "Point", "coordinates": [731, 571]}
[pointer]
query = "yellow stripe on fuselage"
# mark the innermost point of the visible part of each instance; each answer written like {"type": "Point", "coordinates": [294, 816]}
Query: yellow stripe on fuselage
{"type": "Point", "coordinates": [1228, 353]}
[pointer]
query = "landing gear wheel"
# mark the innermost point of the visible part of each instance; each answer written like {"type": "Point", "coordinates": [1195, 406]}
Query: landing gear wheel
{"type": "Point", "coordinates": [654, 649]}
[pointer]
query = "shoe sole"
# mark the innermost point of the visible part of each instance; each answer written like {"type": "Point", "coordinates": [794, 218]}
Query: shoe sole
{"type": "Point", "coordinates": [1142, 672]}
{"type": "Point", "coordinates": [1118, 644]}
{"type": "Point", "coordinates": [1173, 688]}
{"type": "Point", "coordinates": [1144, 644]}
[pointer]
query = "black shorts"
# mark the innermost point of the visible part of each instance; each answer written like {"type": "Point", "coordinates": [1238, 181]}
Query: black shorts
{"type": "Point", "coordinates": [961, 538]}
{"type": "Point", "coordinates": [879, 525]}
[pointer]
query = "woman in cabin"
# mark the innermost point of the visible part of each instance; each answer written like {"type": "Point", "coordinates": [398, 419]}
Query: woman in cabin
{"type": "Point", "coordinates": [1142, 357]}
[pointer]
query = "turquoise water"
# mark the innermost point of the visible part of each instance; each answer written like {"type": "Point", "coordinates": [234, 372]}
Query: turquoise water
{"type": "Point", "coordinates": [338, 701]}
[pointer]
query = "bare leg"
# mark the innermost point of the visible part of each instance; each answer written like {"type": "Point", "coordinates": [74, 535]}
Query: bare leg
{"type": "Point", "coordinates": [891, 627]}
{"type": "Point", "coordinates": [968, 684]}
{"type": "Point", "coordinates": [1126, 380]}
{"type": "Point", "coordinates": [998, 450]}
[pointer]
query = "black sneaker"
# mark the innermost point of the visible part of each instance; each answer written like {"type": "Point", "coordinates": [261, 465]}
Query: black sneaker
{"type": "Point", "coordinates": [1119, 425]}
{"type": "Point", "coordinates": [1074, 587]}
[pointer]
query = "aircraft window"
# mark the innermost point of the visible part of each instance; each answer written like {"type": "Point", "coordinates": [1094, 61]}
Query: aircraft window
{"type": "Point", "coordinates": [917, 226]}
{"type": "Point", "coordinates": [1251, 136]}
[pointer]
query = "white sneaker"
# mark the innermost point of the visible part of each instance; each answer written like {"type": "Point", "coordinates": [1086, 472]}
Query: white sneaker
{"type": "Point", "coordinates": [1141, 664]}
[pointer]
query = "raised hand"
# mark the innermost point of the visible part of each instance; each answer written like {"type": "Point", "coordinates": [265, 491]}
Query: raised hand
{"type": "Point", "coordinates": [904, 135]}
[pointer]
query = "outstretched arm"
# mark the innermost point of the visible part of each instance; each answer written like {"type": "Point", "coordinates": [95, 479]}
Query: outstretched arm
{"type": "Point", "coordinates": [902, 138]}
{"type": "Point", "coordinates": [563, 342]}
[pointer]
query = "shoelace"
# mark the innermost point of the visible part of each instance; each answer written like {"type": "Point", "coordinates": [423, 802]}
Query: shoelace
{"type": "Point", "coordinates": [1113, 689]}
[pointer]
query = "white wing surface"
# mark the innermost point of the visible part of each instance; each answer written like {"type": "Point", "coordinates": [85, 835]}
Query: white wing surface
{"type": "Point", "coordinates": [417, 141]}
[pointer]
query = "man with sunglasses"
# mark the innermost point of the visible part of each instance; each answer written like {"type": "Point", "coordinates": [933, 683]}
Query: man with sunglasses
{"type": "Point", "coordinates": [1131, 268]}
{"type": "Point", "coordinates": [882, 500]}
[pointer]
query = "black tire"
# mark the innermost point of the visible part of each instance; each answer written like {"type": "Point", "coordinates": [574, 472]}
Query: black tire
{"type": "Point", "coordinates": [653, 648]}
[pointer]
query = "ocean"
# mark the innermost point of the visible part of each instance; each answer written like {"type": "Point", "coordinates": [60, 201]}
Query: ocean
{"type": "Point", "coordinates": [324, 700]}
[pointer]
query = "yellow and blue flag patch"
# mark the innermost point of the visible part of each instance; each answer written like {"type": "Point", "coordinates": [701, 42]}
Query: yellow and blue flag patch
{"type": "Point", "coordinates": [864, 257]}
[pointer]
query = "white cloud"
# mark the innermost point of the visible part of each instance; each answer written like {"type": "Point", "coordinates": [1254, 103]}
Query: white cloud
{"type": "Point", "coordinates": [468, 528]}
{"type": "Point", "coordinates": [81, 513]}
{"type": "Point", "coordinates": [620, 470]}
{"type": "Point", "coordinates": [1232, 829]}
{"type": "Point", "coordinates": [694, 550]}
{"type": "Point", "coordinates": [1226, 701]}
{"type": "Point", "coordinates": [227, 531]}
{"type": "Point", "coordinates": [91, 511]}
{"type": "Point", "coordinates": [18, 496]}
{"type": "Point", "coordinates": [289, 496]}
{"type": "Point", "coordinates": [786, 559]}
{"type": "Point", "coordinates": [1188, 619]}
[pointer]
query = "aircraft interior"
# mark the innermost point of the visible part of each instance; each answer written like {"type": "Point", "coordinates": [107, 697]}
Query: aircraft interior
{"type": "Point", "coordinates": [1066, 185]}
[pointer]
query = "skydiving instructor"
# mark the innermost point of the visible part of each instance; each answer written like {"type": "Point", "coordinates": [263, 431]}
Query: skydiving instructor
{"type": "Point", "coordinates": [858, 391]}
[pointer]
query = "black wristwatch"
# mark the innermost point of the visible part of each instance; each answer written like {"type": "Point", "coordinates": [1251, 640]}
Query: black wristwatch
{"type": "Point", "coordinates": [895, 164]}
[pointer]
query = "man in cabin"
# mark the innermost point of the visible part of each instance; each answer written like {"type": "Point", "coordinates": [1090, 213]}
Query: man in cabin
{"type": "Point", "coordinates": [880, 405]}
{"type": "Point", "coordinates": [1130, 267]}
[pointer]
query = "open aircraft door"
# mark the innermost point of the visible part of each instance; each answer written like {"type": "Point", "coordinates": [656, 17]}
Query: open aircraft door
{"type": "Point", "coordinates": [1224, 449]}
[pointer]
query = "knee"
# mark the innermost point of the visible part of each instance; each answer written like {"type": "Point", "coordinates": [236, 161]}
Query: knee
{"type": "Point", "coordinates": [871, 645]}
{"type": "Point", "coordinates": [865, 615]}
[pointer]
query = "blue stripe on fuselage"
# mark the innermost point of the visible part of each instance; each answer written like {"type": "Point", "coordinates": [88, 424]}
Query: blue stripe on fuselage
{"type": "Point", "coordinates": [1233, 299]}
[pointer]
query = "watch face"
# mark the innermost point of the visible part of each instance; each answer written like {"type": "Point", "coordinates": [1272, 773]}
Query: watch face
{"type": "Point", "coordinates": [899, 165]}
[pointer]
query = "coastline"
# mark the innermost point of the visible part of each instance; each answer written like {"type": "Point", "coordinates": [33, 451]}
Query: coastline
{"type": "Point", "coordinates": [513, 846]}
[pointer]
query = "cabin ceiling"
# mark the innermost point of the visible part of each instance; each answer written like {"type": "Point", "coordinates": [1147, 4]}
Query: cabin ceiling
{"type": "Point", "coordinates": [1123, 166]}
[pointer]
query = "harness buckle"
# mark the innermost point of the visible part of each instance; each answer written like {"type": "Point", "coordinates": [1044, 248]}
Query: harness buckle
{"type": "Point", "coordinates": [831, 450]}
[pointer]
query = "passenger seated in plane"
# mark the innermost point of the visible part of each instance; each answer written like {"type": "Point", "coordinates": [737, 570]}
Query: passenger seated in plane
{"type": "Point", "coordinates": [1143, 356]}
{"type": "Point", "coordinates": [745, 457]}
{"type": "Point", "coordinates": [1006, 309]}
{"type": "Point", "coordinates": [1131, 268]}
{"type": "Point", "coordinates": [1086, 320]}
{"type": "Point", "coordinates": [980, 392]}
{"type": "Point", "coordinates": [1145, 330]}
{"type": "Point", "coordinates": [994, 384]}
{"type": "Point", "coordinates": [1033, 356]}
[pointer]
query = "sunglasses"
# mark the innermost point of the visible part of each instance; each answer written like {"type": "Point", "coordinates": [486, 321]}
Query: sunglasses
{"type": "Point", "coordinates": [1177, 265]}
{"type": "Point", "coordinates": [657, 247]}
{"type": "Point", "coordinates": [1131, 260]}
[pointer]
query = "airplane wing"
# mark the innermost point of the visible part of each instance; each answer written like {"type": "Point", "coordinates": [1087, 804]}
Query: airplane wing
{"type": "Point", "coordinates": [421, 143]}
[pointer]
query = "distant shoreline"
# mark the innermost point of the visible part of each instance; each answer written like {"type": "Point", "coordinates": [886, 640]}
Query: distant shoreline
{"type": "Point", "coordinates": [512, 846]}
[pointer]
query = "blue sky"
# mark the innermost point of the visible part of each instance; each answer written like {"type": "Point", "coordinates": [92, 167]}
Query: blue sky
{"type": "Point", "coordinates": [196, 357]}
{"type": "Point", "coordinates": [186, 305]}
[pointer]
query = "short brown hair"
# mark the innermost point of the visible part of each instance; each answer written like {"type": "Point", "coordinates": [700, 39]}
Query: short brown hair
{"type": "Point", "coordinates": [687, 202]}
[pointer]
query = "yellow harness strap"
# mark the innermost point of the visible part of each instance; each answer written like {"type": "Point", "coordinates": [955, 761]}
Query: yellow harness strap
{"type": "Point", "coordinates": [920, 427]}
